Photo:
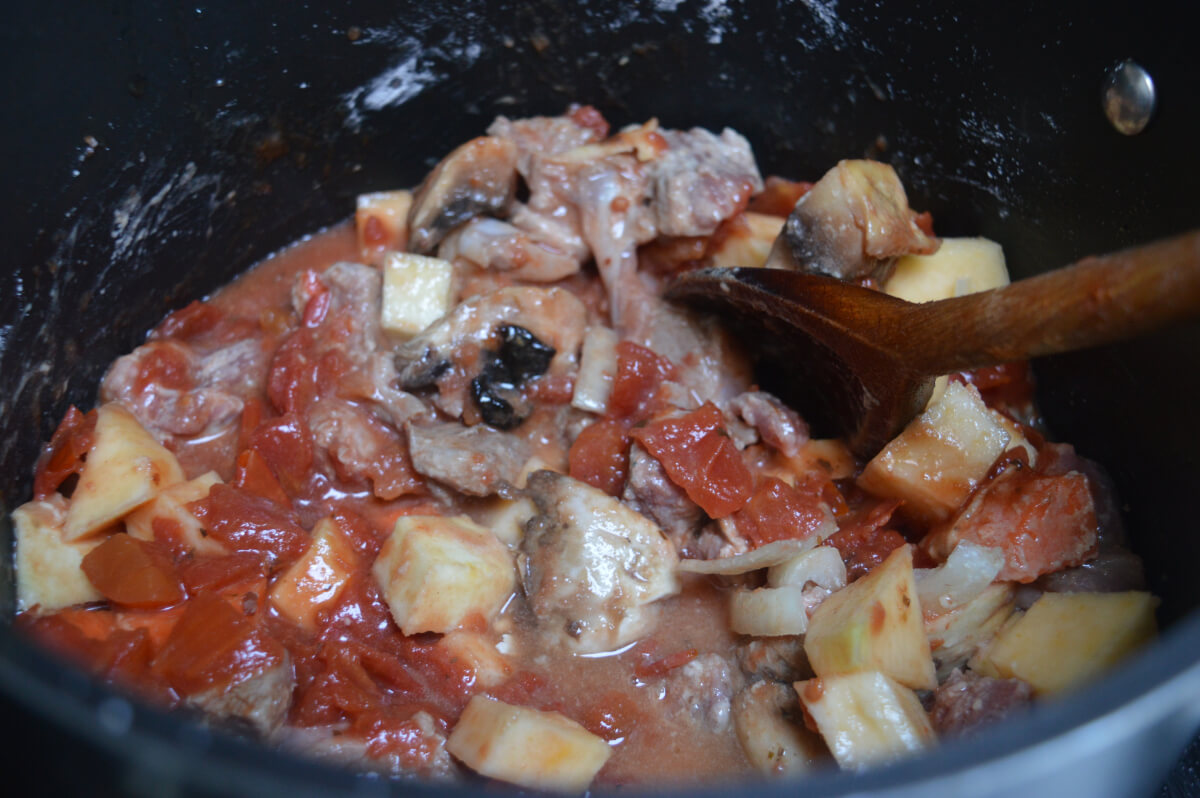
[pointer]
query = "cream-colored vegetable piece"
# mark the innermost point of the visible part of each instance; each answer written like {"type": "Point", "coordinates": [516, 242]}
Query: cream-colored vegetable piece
{"type": "Point", "coordinates": [866, 718]}
{"type": "Point", "coordinates": [48, 574]}
{"type": "Point", "coordinates": [874, 624]}
{"type": "Point", "coordinates": [966, 572]}
{"type": "Point", "coordinates": [768, 611]}
{"type": "Point", "coordinates": [170, 508]}
{"type": "Point", "coordinates": [381, 221]}
{"type": "Point", "coordinates": [939, 458]}
{"type": "Point", "coordinates": [960, 266]}
{"type": "Point", "coordinates": [597, 370]}
{"type": "Point", "coordinates": [748, 245]}
{"type": "Point", "coordinates": [316, 579]}
{"type": "Point", "coordinates": [956, 635]}
{"type": "Point", "coordinates": [774, 743]}
{"type": "Point", "coordinates": [1066, 639]}
{"type": "Point", "coordinates": [822, 565]}
{"type": "Point", "coordinates": [771, 554]}
{"type": "Point", "coordinates": [436, 572]}
{"type": "Point", "coordinates": [828, 456]}
{"type": "Point", "coordinates": [126, 467]}
{"type": "Point", "coordinates": [478, 654]}
{"type": "Point", "coordinates": [417, 291]}
{"type": "Point", "coordinates": [527, 747]}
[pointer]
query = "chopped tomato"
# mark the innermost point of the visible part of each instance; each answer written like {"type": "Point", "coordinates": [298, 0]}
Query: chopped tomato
{"type": "Point", "coordinates": [587, 116]}
{"type": "Point", "coordinates": [319, 299]}
{"type": "Point", "coordinates": [662, 666]}
{"type": "Point", "coordinates": [65, 453]}
{"type": "Point", "coordinates": [189, 321]}
{"type": "Point", "coordinates": [924, 220]}
{"type": "Point", "coordinates": [600, 456]}
{"type": "Point", "coordinates": [699, 457]}
{"type": "Point", "coordinates": [863, 539]}
{"type": "Point", "coordinates": [245, 522]}
{"type": "Point", "coordinates": [286, 446]}
{"type": "Point", "coordinates": [778, 511]}
{"type": "Point", "coordinates": [133, 572]}
{"type": "Point", "coordinates": [779, 196]}
{"type": "Point", "coordinates": [255, 476]}
{"type": "Point", "coordinates": [293, 380]}
{"type": "Point", "coordinates": [1004, 387]}
{"type": "Point", "coordinates": [640, 372]}
{"type": "Point", "coordinates": [215, 574]}
{"type": "Point", "coordinates": [554, 389]}
{"type": "Point", "coordinates": [165, 365]}
{"type": "Point", "coordinates": [612, 716]}
{"type": "Point", "coordinates": [213, 644]}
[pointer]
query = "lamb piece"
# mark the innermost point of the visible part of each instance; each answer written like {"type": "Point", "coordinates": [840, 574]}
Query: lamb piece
{"type": "Point", "coordinates": [1055, 459]}
{"type": "Point", "coordinates": [1111, 571]}
{"type": "Point", "coordinates": [478, 461]}
{"type": "Point", "coordinates": [702, 180]}
{"type": "Point", "coordinates": [652, 493]}
{"type": "Point", "coordinates": [479, 177]}
{"type": "Point", "coordinates": [781, 659]}
{"type": "Point", "coordinates": [426, 756]}
{"type": "Point", "coordinates": [362, 447]}
{"type": "Point", "coordinates": [778, 425]}
{"type": "Point", "coordinates": [592, 566]}
{"type": "Point", "coordinates": [493, 244]}
{"type": "Point", "coordinates": [355, 299]}
{"type": "Point", "coordinates": [261, 701]}
{"type": "Point", "coordinates": [174, 391]}
{"type": "Point", "coordinates": [768, 720]}
{"type": "Point", "coordinates": [703, 689]}
{"type": "Point", "coordinates": [966, 701]}
{"type": "Point", "coordinates": [852, 224]}
{"type": "Point", "coordinates": [550, 135]}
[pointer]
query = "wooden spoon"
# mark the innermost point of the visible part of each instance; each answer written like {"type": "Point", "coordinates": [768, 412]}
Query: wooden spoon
{"type": "Point", "coordinates": [865, 362]}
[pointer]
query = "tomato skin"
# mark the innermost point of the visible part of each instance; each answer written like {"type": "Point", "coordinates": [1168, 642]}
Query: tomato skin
{"type": "Point", "coordinates": [245, 522]}
{"type": "Point", "coordinates": [700, 458]}
{"type": "Point", "coordinates": [63, 456]}
{"type": "Point", "coordinates": [253, 475]}
{"type": "Point", "coordinates": [778, 511]}
{"type": "Point", "coordinates": [132, 572]}
{"type": "Point", "coordinates": [640, 372]}
{"type": "Point", "coordinates": [285, 445]}
{"type": "Point", "coordinates": [600, 456]}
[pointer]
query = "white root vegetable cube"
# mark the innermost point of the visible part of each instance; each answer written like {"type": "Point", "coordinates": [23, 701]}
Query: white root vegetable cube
{"type": "Point", "coordinates": [768, 611]}
{"type": "Point", "coordinates": [939, 458]}
{"type": "Point", "coordinates": [749, 241]}
{"type": "Point", "coordinates": [478, 654]}
{"type": "Point", "coordinates": [874, 624]}
{"type": "Point", "coordinates": [866, 718]}
{"type": "Point", "coordinates": [955, 636]}
{"type": "Point", "coordinates": [527, 747]}
{"type": "Point", "coordinates": [597, 370]}
{"type": "Point", "coordinates": [435, 573]}
{"type": "Point", "coordinates": [1066, 639]}
{"type": "Point", "coordinates": [168, 511]}
{"type": "Point", "coordinates": [316, 579]}
{"type": "Point", "coordinates": [126, 467]}
{"type": "Point", "coordinates": [48, 573]}
{"type": "Point", "coordinates": [417, 291]}
{"type": "Point", "coordinates": [960, 266]}
{"type": "Point", "coordinates": [381, 221]}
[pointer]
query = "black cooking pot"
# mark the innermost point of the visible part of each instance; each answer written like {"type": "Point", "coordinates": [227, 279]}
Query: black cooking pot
{"type": "Point", "coordinates": [153, 152]}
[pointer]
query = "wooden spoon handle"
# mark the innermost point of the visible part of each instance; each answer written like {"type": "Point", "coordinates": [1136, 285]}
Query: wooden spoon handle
{"type": "Point", "coordinates": [1094, 301]}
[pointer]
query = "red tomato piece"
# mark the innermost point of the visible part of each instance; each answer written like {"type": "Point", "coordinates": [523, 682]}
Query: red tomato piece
{"type": "Point", "coordinates": [213, 644]}
{"type": "Point", "coordinates": [214, 574]}
{"type": "Point", "coordinates": [613, 716]}
{"type": "Point", "coordinates": [189, 321]}
{"type": "Point", "coordinates": [640, 372]}
{"type": "Point", "coordinates": [778, 511]}
{"type": "Point", "coordinates": [924, 220]}
{"type": "Point", "coordinates": [132, 572]}
{"type": "Point", "coordinates": [664, 665]}
{"type": "Point", "coordinates": [245, 522]}
{"type": "Point", "coordinates": [600, 456]}
{"type": "Point", "coordinates": [293, 382]}
{"type": "Point", "coordinates": [286, 446]}
{"type": "Point", "coordinates": [863, 538]}
{"type": "Point", "coordinates": [779, 196]}
{"type": "Point", "coordinates": [699, 457]}
{"type": "Point", "coordinates": [64, 455]}
{"type": "Point", "coordinates": [255, 476]}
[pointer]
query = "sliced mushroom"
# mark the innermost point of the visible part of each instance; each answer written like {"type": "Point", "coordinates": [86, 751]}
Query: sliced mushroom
{"type": "Point", "coordinates": [479, 177]}
{"type": "Point", "coordinates": [853, 224]}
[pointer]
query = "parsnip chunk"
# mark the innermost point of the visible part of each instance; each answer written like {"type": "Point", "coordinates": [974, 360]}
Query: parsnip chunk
{"type": "Point", "coordinates": [1066, 639]}
{"type": "Point", "coordinates": [417, 291]}
{"type": "Point", "coordinates": [939, 458]}
{"type": "Point", "coordinates": [960, 266]}
{"type": "Point", "coordinates": [956, 635]}
{"type": "Point", "coordinates": [437, 572]}
{"type": "Point", "coordinates": [168, 513]}
{"type": "Point", "coordinates": [539, 750]}
{"type": "Point", "coordinates": [768, 611]}
{"type": "Point", "coordinates": [315, 580]}
{"type": "Point", "coordinates": [874, 624]}
{"type": "Point", "coordinates": [126, 467]}
{"type": "Point", "coordinates": [48, 573]}
{"type": "Point", "coordinates": [866, 718]}
{"type": "Point", "coordinates": [749, 240]}
{"type": "Point", "coordinates": [597, 370]}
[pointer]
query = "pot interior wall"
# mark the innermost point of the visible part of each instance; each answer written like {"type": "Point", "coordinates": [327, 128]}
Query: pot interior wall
{"type": "Point", "coordinates": [223, 133]}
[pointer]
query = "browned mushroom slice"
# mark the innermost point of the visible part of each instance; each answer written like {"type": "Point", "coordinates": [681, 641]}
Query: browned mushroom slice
{"type": "Point", "coordinates": [853, 224]}
{"type": "Point", "coordinates": [478, 177]}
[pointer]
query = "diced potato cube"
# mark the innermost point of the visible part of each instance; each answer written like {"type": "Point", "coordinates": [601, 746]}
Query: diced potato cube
{"type": "Point", "coordinates": [866, 718]}
{"type": "Point", "coordinates": [417, 291]}
{"type": "Point", "coordinates": [539, 750]}
{"type": "Point", "coordinates": [437, 572]}
{"type": "Point", "coordinates": [315, 580]}
{"type": "Point", "coordinates": [126, 467]}
{"type": "Point", "coordinates": [960, 266]}
{"type": "Point", "coordinates": [1066, 639]}
{"type": "Point", "coordinates": [168, 512]}
{"type": "Point", "coordinates": [874, 624]}
{"type": "Point", "coordinates": [507, 517]}
{"type": "Point", "coordinates": [478, 654]}
{"type": "Point", "coordinates": [48, 572]}
{"type": "Point", "coordinates": [956, 635]}
{"type": "Point", "coordinates": [381, 221]}
{"type": "Point", "coordinates": [597, 370]}
{"type": "Point", "coordinates": [768, 611]}
{"type": "Point", "coordinates": [749, 241]}
{"type": "Point", "coordinates": [939, 458]}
